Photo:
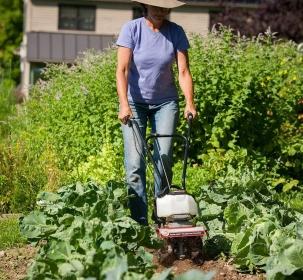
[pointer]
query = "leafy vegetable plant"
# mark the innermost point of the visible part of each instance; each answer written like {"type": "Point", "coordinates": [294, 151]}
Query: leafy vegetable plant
{"type": "Point", "coordinates": [84, 233]}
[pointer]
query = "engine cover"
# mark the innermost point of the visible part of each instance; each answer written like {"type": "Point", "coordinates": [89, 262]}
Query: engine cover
{"type": "Point", "coordinates": [176, 204]}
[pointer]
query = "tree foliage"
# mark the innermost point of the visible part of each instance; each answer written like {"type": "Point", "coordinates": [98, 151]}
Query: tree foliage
{"type": "Point", "coordinates": [282, 16]}
{"type": "Point", "coordinates": [11, 22]}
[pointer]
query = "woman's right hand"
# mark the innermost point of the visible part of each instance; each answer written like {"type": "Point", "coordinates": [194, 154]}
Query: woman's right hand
{"type": "Point", "coordinates": [125, 113]}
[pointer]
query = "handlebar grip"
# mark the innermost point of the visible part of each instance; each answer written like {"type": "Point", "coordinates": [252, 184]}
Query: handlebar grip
{"type": "Point", "coordinates": [190, 116]}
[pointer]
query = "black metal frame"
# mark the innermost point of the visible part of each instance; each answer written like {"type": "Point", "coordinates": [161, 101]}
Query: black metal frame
{"type": "Point", "coordinates": [155, 136]}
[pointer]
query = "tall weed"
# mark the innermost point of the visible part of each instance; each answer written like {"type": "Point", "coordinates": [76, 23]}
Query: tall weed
{"type": "Point", "coordinates": [7, 105]}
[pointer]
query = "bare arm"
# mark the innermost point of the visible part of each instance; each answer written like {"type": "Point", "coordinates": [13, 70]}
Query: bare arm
{"type": "Point", "coordinates": [124, 58]}
{"type": "Point", "coordinates": [186, 83]}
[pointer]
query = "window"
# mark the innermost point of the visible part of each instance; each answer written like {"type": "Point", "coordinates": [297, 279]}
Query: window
{"type": "Point", "coordinates": [36, 70]}
{"type": "Point", "coordinates": [72, 17]}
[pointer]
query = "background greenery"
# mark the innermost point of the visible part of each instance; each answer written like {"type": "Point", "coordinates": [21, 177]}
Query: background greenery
{"type": "Point", "coordinates": [246, 153]}
{"type": "Point", "coordinates": [11, 24]}
{"type": "Point", "coordinates": [247, 93]}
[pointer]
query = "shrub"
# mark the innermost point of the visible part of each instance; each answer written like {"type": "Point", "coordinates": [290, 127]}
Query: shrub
{"type": "Point", "coordinates": [246, 92]}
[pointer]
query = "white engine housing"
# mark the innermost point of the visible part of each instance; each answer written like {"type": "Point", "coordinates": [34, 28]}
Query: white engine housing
{"type": "Point", "coordinates": [177, 203]}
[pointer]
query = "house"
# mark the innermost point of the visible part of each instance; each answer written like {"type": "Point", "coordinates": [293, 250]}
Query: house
{"type": "Point", "coordinates": [58, 30]}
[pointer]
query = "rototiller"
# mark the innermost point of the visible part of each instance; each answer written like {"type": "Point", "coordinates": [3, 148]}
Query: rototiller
{"type": "Point", "coordinates": [174, 209]}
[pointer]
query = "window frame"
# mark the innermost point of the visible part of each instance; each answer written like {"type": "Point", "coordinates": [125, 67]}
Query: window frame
{"type": "Point", "coordinates": [78, 8]}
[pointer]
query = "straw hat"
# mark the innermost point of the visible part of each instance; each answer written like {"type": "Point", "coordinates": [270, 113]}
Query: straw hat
{"type": "Point", "coordinates": [161, 3]}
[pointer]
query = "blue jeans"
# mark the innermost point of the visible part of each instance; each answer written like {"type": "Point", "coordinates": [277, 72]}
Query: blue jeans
{"type": "Point", "coordinates": [163, 119]}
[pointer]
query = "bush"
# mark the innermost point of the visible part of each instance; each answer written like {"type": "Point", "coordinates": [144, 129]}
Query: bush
{"type": "Point", "coordinates": [246, 93]}
{"type": "Point", "coordinates": [245, 90]}
{"type": "Point", "coordinates": [64, 125]}
{"type": "Point", "coordinates": [78, 107]}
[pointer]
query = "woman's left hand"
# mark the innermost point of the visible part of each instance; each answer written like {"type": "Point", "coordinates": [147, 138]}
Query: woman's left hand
{"type": "Point", "coordinates": [190, 108]}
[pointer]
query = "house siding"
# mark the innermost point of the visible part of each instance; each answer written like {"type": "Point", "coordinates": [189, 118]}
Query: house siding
{"type": "Point", "coordinates": [192, 19]}
{"type": "Point", "coordinates": [61, 47]}
{"type": "Point", "coordinates": [111, 17]}
{"type": "Point", "coordinates": [44, 16]}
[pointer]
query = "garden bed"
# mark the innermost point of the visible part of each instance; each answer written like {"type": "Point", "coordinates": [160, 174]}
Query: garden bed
{"type": "Point", "coordinates": [14, 263]}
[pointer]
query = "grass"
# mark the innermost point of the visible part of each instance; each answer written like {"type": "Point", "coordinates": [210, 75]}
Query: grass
{"type": "Point", "coordinates": [7, 105]}
{"type": "Point", "coordinates": [10, 235]}
{"type": "Point", "coordinates": [2, 276]}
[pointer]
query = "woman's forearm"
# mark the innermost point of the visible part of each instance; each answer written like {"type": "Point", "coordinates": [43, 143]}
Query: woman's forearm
{"type": "Point", "coordinates": [121, 78]}
{"type": "Point", "coordinates": [186, 84]}
{"type": "Point", "coordinates": [124, 58]}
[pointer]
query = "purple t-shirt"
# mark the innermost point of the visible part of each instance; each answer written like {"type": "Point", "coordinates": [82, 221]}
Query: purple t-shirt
{"type": "Point", "coordinates": [150, 78]}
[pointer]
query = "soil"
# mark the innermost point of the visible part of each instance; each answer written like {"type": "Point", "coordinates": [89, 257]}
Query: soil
{"type": "Point", "coordinates": [224, 270]}
{"type": "Point", "coordinates": [14, 263]}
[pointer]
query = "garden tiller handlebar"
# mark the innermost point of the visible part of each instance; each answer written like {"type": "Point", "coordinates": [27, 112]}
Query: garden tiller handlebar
{"type": "Point", "coordinates": [186, 141]}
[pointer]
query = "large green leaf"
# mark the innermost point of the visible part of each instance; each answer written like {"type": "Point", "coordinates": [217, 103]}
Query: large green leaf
{"type": "Point", "coordinates": [196, 275]}
{"type": "Point", "coordinates": [116, 270]}
{"type": "Point", "coordinates": [72, 268]}
{"type": "Point", "coordinates": [60, 251]}
{"type": "Point", "coordinates": [35, 226]}
{"type": "Point", "coordinates": [287, 261]}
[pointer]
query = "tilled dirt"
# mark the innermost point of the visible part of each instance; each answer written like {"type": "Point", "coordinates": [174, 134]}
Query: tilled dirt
{"type": "Point", "coordinates": [224, 270]}
{"type": "Point", "coordinates": [14, 263]}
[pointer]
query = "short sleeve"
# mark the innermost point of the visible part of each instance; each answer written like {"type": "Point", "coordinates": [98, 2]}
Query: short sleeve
{"type": "Point", "coordinates": [125, 38]}
{"type": "Point", "coordinates": [182, 43]}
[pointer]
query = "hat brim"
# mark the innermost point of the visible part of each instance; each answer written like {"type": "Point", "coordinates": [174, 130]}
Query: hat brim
{"type": "Point", "coordinates": [169, 4]}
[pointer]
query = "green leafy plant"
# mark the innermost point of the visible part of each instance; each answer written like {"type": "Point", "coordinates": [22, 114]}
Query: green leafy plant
{"type": "Point", "coordinates": [86, 234]}
{"type": "Point", "coordinates": [245, 219]}
{"type": "Point", "coordinates": [103, 167]}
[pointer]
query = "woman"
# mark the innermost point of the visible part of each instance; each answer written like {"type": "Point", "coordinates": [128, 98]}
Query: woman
{"type": "Point", "coordinates": [147, 49]}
